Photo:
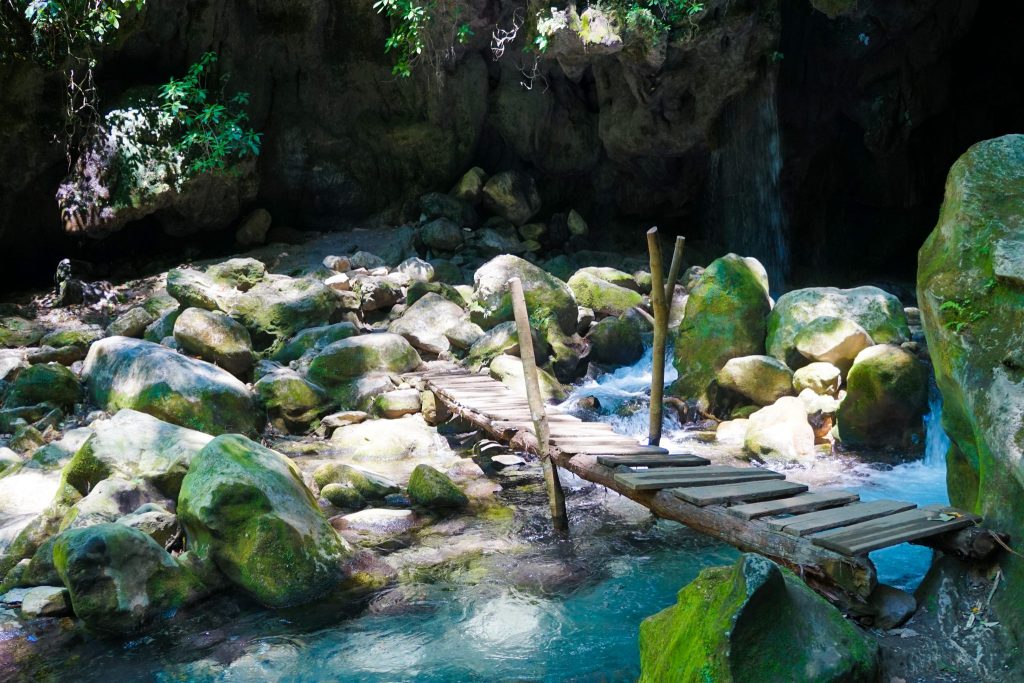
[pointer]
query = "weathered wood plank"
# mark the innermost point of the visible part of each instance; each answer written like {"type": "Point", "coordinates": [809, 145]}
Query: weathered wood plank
{"type": "Point", "coordinates": [597, 449]}
{"type": "Point", "coordinates": [745, 491]}
{"type": "Point", "coordinates": [812, 522]}
{"type": "Point", "coordinates": [670, 460]}
{"type": "Point", "coordinates": [684, 477]}
{"type": "Point", "coordinates": [806, 502]}
{"type": "Point", "coordinates": [862, 538]}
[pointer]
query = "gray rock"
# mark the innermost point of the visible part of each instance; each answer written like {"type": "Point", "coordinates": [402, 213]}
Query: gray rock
{"type": "Point", "coordinates": [762, 379]}
{"type": "Point", "coordinates": [45, 601]}
{"type": "Point", "coordinates": [394, 404]}
{"type": "Point", "coordinates": [153, 520]}
{"type": "Point", "coordinates": [470, 186]}
{"type": "Point", "coordinates": [132, 323]}
{"type": "Point", "coordinates": [780, 431]}
{"type": "Point", "coordinates": [442, 235]}
{"type": "Point", "coordinates": [215, 338]}
{"type": "Point", "coordinates": [426, 323]}
{"type": "Point", "coordinates": [253, 229]}
{"type": "Point", "coordinates": [292, 402]}
{"type": "Point", "coordinates": [512, 195]}
{"type": "Point", "coordinates": [545, 294]}
{"type": "Point", "coordinates": [459, 211]}
{"type": "Point", "coordinates": [832, 340]}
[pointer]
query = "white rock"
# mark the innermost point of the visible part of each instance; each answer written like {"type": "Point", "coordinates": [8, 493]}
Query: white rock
{"type": "Point", "coordinates": [781, 431]}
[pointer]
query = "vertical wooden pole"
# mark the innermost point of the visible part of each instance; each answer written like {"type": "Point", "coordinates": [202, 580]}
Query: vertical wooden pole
{"type": "Point", "coordinates": [556, 497]}
{"type": "Point", "coordinates": [660, 334]}
{"type": "Point", "coordinates": [673, 271]}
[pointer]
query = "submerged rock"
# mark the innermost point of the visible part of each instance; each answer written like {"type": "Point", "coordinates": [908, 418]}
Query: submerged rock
{"type": "Point", "coordinates": [129, 373]}
{"type": "Point", "coordinates": [119, 578]}
{"type": "Point", "coordinates": [725, 318]}
{"type": "Point", "coordinates": [754, 621]}
{"type": "Point", "coordinates": [245, 507]}
{"type": "Point", "coordinates": [878, 312]}
{"type": "Point", "coordinates": [369, 484]}
{"type": "Point", "coordinates": [886, 398]}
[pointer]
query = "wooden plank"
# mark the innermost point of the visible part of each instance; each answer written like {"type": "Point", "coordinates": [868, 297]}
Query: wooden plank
{"type": "Point", "coordinates": [745, 491]}
{"type": "Point", "coordinates": [912, 525]}
{"type": "Point", "coordinates": [812, 522]}
{"type": "Point", "coordinates": [807, 502]}
{"type": "Point", "coordinates": [598, 449]}
{"type": "Point", "coordinates": [697, 476]}
{"type": "Point", "coordinates": [670, 460]}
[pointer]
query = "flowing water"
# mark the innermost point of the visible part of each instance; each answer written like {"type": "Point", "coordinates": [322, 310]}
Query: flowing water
{"type": "Point", "coordinates": [538, 609]}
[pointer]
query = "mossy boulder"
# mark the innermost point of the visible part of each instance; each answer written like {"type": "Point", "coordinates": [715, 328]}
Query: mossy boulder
{"type": "Point", "coordinates": [753, 621]}
{"type": "Point", "coordinates": [546, 296]}
{"type": "Point", "coordinates": [313, 339]}
{"type": "Point", "coordinates": [512, 195]}
{"type": "Point", "coordinates": [345, 360]}
{"type": "Point", "coordinates": [131, 323]}
{"type": "Point", "coordinates": [395, 404]}
{"type": "Point", "coordinates": [369, 484]}
{"type": "Point", "coordinates": [886, 398]}
{"type": "Point", "coordinates": [725, 318]}
{"type": "Point", "coordinates": [216, 338]}
{"type": "Point", "coordinates": [971, 295]}
{"type": "Point", "coordinates": [119, 578]}
{"type": "Point", "coordinates": [46, 382]}
{"type": "Point", "coordinates": [195, 289]}
{"type": "Point", "coordinates": [504, 338]}
{"type": "Point", "coordinates": [615, 341]}
{"type": "Point", "coordinates": [134, 445]}
{"type": "Point", "coordinates": [110, 500]}
{"type": "Point", "coordinates": [832, 340]}
{"type": "Point", "coordinates": [73, 336]}
{"type": "Point", "coordinates": [245, 507]}
{"type": "Point", "coordinates": [878, 312]}
{"type": "Point", "coordinates": [18, 332]}
{"type": "Point", "coordinates": [341, 496]}
{"type": "Point", "coordinates": [292, 402]}
{"type": "Point", "coordinates": [762, 379]}
{"type": "Point", "coordinates": [602, 296]}
{"type": "Point", "coordinates": [442, 235]}
{"type": "Point", "coordinates": [279, 306]}
{"type": "Point", "coordinates": [620, 278]}
{"type": "Point", "coordinates": [432, 488]}
{"type": "Point", "coordinates": [240, 273]}
{"type": "Point", "coordinates": [129, 373]}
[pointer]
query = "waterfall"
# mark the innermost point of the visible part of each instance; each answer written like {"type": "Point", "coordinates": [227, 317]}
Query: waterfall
{"type": "Point", "coordinates": [745, 194]}
{"type": "Point", "coordinates": [936, 443]}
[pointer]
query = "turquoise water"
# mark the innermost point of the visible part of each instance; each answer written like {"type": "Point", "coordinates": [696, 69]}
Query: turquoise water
{"type": "Point", "coordinates": [554, 610]}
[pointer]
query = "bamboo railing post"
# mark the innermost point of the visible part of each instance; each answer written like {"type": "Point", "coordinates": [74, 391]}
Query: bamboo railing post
{"type": "Point", "coordinates": [673, 271]}
{"type": "Point", "coordinates": [556, 497]}
{"type": "Point", "coordinates": [658, 288]}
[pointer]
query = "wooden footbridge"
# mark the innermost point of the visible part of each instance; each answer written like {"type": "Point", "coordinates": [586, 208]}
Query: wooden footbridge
{"type": "Point", "coordinates": [824, 536]}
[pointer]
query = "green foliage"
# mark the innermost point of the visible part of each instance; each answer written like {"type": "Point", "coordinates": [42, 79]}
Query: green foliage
{"type": "Point", "coordinates": [422, 30]}
{"type": "Point", "coordinates": [961, 313]}
{"type": "Point", "coordinates": [214, 132]}
{"type": "Point", "coordinates": [46, 31]}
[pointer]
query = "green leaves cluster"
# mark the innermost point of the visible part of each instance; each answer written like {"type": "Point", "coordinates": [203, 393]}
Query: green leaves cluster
{"type": "Point", "coordinates": [420, 29]}
{"type": "Point", "coordinates": [215, 133]}
{"type": "Point", "coordinates": [961, 313]}
{"type": "Point", "coordinates": [47, 31]}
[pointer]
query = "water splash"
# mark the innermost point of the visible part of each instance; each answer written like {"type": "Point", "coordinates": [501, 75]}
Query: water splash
{"type": "Point", "coordinates": [936, 443]}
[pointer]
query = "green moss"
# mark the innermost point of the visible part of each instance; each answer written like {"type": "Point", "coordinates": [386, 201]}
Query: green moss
{"type": "Point", "coordinates": [433, 489]}
{"type": "Point", "coordinates": [45, 382]}
{"type": "Point", "coordinates": [602, 296]}
{"type": "Point", "coordinates": [84, 336]}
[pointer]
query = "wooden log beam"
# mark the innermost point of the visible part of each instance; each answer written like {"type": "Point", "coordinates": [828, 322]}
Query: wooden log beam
{"type": "Point", "coordinates": [660, 333]}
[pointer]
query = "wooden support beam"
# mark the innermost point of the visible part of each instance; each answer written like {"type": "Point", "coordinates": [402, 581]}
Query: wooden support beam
{"type": "Point", "coordinates": [673, 270]}
{"type": "Point", "coordinates": [660, 335]}
{"type": "Point", "coordinates": [556, 497]}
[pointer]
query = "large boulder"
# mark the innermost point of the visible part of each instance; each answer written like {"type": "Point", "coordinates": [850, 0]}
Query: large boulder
{"type": "Point", "coordinates": [134, 445]}
{"type": "Point", "coordinates": [427, 322]}
{"type": "Point", "coordinates": [832, 340]}
{"type": "Point", "coordinates": [313, 339]}
{"type": "Point", "coordinates": [512, 195]}
{"type": "Point", "coordinates": [18, 332]}
{"type": "Point", "coordinates": [753, 621]}
{"type": "Point", "coordinates": [615, 341]}
{"type": "Point", "coordinates": [46, 382]}
{"type": "Point", "coordinates": [780, 432]}
{"type": "Point", "coordinates": [389, 440]}
{"type": "Point", "coordinates": [245, 507]}
{"type": "Point", "coordinates": [431, 488]}
{"type": "Point", "coordinates": [821, 378]}
{"type": "Point", "coordinates": [279, 306]}
{"type": "Point", "coordinates": [216, 338]}
{"type": "Point", "coordinates": [128, 373]}
{"type": "Point", "coordinates": [345, 360]}
{"type": "Point", "coordinates": [196, 289]}
{"type": "Point", "coordinates": [602, 296]}
{"type": "Point", "coordinates": [442, 235]}
{"type": "Point", "coordinates": [886, 398]}
{"type": "Point", "coordinates": [546, 296]}
{"type": "Point", "coordinates": [292, 402]}
{"type": "Point", "coordinates": [762, 379]}
{"type": "Point", "coordinates": [509, 371]}
{"type": "Point", "coordinates": [971, 295]}
{"type": "Point", "coordinates": [878, 312]}
{"type": "Point", "coordinates": [725, 318]}
{"type": "Point", "coordinates": [119, 578]}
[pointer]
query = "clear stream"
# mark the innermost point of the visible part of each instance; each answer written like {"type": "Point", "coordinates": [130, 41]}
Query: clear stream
{"type": "Point", "coordinates": [556, 611]}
